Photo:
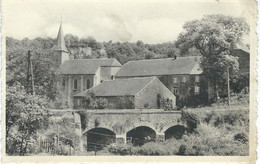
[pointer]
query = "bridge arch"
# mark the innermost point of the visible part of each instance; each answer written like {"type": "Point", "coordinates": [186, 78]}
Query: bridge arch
{"type": "Point", "coordinates": [99, 137]}
{"type": "Point", "coordinates": [141, 135]}
{"type": "Point", "coordinates": [176, 131]}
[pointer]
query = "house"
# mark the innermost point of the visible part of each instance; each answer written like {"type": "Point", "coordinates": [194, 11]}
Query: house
{"type": "Point", "coordinates": [76, 75]}
{"type": "Point", "coordinates": [243, 53]}
{"type": "Point", "coordinates": [182, 76]}
{"type": "Point", "coordinates": [132, 93]}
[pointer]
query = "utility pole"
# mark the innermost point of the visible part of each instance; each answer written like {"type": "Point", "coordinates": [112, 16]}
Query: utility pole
{"type": "Point", "coordinates": [228, 85]}
{"type": "Point", "coordinates": [30, 75]}
{"type": "Point", "coordinates": [28, 70]}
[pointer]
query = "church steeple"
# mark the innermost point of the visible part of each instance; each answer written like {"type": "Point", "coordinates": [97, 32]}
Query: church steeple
{"type": "Point", "coordinates": [60, 44]}
{"type": "Point", "coordinates": [61, 51]}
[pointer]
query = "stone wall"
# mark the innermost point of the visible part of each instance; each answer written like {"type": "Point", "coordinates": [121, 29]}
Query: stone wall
{"type": "Point", "coordinates": [148, 97]}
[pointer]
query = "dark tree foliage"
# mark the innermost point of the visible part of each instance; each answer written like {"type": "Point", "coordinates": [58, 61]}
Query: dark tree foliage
{"type": "Point", "coordinates": [214, 36]}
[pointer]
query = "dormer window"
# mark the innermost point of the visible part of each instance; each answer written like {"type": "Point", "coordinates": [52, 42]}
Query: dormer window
{"type": "Point", "coordinates": [75, 84]}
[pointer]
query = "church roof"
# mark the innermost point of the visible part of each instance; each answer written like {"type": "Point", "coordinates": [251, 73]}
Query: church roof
{"type": "Point", "coordinates": [60, 42]}
{"type": "Point", "coordinates": [155, 67]}
{"type": "Point", "coordinates": [86, 66]}
{"type": "Point", "coordinates": [119, 87]}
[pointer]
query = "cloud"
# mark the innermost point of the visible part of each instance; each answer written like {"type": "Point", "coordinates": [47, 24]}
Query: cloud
{"type": "Point", "coordinates": [149, 22]}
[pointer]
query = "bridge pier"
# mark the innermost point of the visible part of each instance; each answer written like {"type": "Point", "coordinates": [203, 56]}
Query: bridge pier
{"type": "Point", "coordinates": [160, 137]}
{"type": "Point", "coordinates": [83, 143]}
{"type": "Point", "coordinates": [121, 138]}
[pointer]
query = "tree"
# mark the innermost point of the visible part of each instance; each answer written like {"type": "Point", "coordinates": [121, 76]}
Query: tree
{"type": "Point", "coordinates": [214, 36]}
{"type": "Point", "coordinates": [42, 61]}
{"type": "Point", "coordinates": [25, 115]}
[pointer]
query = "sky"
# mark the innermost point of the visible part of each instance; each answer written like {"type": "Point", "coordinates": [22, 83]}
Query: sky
{"type": "Point", "coordinates": [151, 21]}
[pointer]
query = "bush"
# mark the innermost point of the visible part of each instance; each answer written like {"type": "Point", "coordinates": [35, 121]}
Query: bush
{"type": "Point", "coordinates": [191, 119]}
{"type": "Point", "coordinates": [242, 137]}
{"type": "Point", "coordinates": [119, 149]}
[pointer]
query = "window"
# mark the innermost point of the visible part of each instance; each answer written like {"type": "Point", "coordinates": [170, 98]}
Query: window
{"type": "Point", "coordinates": [78, 102]}
{"type": "Point", "coordinates": [175, 80]}
{"type": "Point", "coordinates": [112, 77]}
{"type": "Point", "coordinates": [175, 90]}
{"type": "Point", "coordinates": [196, 90]}
{"type": "Point", "coordinates": [197, 79]}
{"type": "Point", "coordinates": [63, 83]}
{"type": "Point", "coordinates": [184, 79]}
{"type": "Point", "coordinates": [75, 85]}
{"type": "Point", "coordinates": [88, 83]}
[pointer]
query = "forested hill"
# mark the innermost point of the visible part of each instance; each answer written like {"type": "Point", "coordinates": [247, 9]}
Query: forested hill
{"type": "Point", "coordinates": [88, 48]}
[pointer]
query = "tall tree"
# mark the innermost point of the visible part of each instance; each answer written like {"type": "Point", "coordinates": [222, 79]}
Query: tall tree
{"type": "Point", "coordinates": [214, 36]}
{"type": "Point", "coordinates": [25, 115]}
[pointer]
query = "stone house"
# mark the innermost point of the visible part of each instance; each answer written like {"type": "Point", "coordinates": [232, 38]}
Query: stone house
{"type": "Point", "coordinates": [182, 76]}
{"type": "Point", "coordinates": [243, 53]}
{"type": "Point", "coordinates": [76, 75]}
{"type": "Point", "coordinates": [132, 93]}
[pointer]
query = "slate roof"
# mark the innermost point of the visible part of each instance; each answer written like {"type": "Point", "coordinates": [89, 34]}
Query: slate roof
{"type": "Point", "coordinates": [85, 66]}
{"type": "Point", "coordinates": [119, 87]}
{"type": "Point", "coordinates": [242, 46]}
{"type": "Point", "coordinates": [155, 67]}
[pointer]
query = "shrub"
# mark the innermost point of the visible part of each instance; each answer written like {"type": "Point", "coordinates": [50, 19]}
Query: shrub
{"type": "Point", "coordinates": [119, 149]}
{"type": "Point", "coordinates": [191, 119]}
{"type": "Point", "coordinates": [242, 137]}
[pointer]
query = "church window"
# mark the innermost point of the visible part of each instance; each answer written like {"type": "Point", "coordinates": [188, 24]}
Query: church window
{"type": "Point", "coordinates": [75, 85]}
{"type": "Point", "coordinates": [88, 83]}
{"type": "Point", "coordinates": [63, 83]}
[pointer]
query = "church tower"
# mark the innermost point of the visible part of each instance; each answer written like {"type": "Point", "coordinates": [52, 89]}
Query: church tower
{"type": "Point", "coordinates": [61, 52]}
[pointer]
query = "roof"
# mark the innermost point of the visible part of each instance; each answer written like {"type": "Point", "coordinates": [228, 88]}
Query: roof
{"type": "Point", "coordinates": [86, 66]}
{"type": "Point", "coordinates": [242, 46]}
{"type": "Point", "coordinates": [118, 87]}
{"type": "Point", "coordinates": [155, 67]}
{"type": "Point", "coordinates": [60, 42]}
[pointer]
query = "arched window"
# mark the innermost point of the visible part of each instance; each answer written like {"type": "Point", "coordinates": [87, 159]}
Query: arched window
{"type": "Point", "coordinates": [63, 83]}
{"type": "Point", "coordinates": [88, 83]}
{"type": "Point", "coordinates": [75, 85]}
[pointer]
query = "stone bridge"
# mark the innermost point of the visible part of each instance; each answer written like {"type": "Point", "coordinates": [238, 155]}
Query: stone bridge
{"type": "Point", "coordinates": [137, 126]}
{"type": "Point", "coordinates": [102, 127]}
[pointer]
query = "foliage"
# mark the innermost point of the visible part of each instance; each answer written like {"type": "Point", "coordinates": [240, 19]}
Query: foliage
{"type": "Point", "coordinates": [240, 83]}
{"type": "Point", "coordinates": [191, 119]}
{"type": "Point", "coordinates": [215, 37]}
{"type": "Point", "coordinates": [90, 101]}
{"type": "Point", "coordinates": [42, 62]}
{"type": "Point", "coordinates": [25, 115]}
{"type": "Point", "coordinates": [166, 104]}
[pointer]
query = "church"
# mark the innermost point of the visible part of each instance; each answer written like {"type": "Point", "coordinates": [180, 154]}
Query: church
{"type": "Point", "coordinates": [75, 76]}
